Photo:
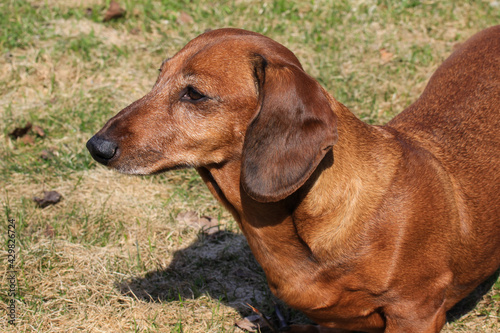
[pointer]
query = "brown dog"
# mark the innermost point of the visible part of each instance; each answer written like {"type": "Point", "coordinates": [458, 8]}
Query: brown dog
{"type": "Point", "coordinates": [363, 228]}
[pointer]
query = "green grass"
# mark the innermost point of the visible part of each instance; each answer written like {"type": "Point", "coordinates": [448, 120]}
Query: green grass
{"type": "Point", "coordinates": [111, 256]}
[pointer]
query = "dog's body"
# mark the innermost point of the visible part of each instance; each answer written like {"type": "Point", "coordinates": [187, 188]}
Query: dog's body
{"type": "Point", "coordinates": [363, 228]}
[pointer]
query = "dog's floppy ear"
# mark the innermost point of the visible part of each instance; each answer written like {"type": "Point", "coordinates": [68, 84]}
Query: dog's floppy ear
{"type": "Point", "coordinates": [290, 134]}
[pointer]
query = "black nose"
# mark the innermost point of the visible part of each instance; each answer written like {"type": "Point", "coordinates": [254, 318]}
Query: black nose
{"type": "Point", "coordinates": [102, 150]}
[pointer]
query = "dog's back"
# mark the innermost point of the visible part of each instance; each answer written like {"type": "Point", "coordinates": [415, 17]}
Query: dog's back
{"type": "Point", "coordinates": [457, 119]}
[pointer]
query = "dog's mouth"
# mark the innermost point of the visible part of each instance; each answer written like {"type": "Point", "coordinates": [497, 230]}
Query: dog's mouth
{"type": "Point", "coordinates": [167, 169]}
{"type": "Point", "coordinates": [136, 165]}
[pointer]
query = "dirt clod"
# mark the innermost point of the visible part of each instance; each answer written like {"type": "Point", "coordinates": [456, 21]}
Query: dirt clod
{"type": "Point", "coordinates": [114, 11]}
{"type": "Point", "coordinates": [49, 198]}
{"type": "Point", "coordinates": [20, 131]}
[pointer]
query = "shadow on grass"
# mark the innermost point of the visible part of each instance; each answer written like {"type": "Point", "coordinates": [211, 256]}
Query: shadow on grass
{"type": "Point", "coordinates": [468, 304]}
{"type": "Point", "coordinates": [220, 266]}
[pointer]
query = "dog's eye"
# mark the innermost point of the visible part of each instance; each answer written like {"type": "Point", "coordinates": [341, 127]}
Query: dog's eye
{"type": "Point", "coordinates": [192, 95]}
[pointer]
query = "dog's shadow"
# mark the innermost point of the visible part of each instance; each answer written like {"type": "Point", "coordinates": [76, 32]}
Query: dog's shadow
{"type": "Point", "coordinates": [221, 266]}
{"type": "Point", "coordinates": [470, 302]}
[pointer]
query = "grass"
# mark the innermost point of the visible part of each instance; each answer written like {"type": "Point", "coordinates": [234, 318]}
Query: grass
{"type": "Point", "coordinates": [111, 256]}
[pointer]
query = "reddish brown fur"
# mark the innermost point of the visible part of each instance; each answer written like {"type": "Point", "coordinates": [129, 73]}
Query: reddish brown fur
{"type": "Point", "coordinates": [385, 231]}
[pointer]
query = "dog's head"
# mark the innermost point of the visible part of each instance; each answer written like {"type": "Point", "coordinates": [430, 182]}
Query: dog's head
{"type": "Point", "coordinates": [228, 95]}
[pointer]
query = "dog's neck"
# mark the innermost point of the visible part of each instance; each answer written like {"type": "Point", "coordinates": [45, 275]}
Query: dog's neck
{"type": "Point", "coordinates": [347, 188]}
{"type": "Point", "coordinates": [322, 221]}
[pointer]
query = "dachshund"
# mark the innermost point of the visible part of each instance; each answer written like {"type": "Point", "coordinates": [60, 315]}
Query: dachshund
{"type": "Point", "coordinates": [363, 228]}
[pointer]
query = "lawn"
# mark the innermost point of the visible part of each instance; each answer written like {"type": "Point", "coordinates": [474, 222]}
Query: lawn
{"type": "Point", "coordinates": [125, 254]}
